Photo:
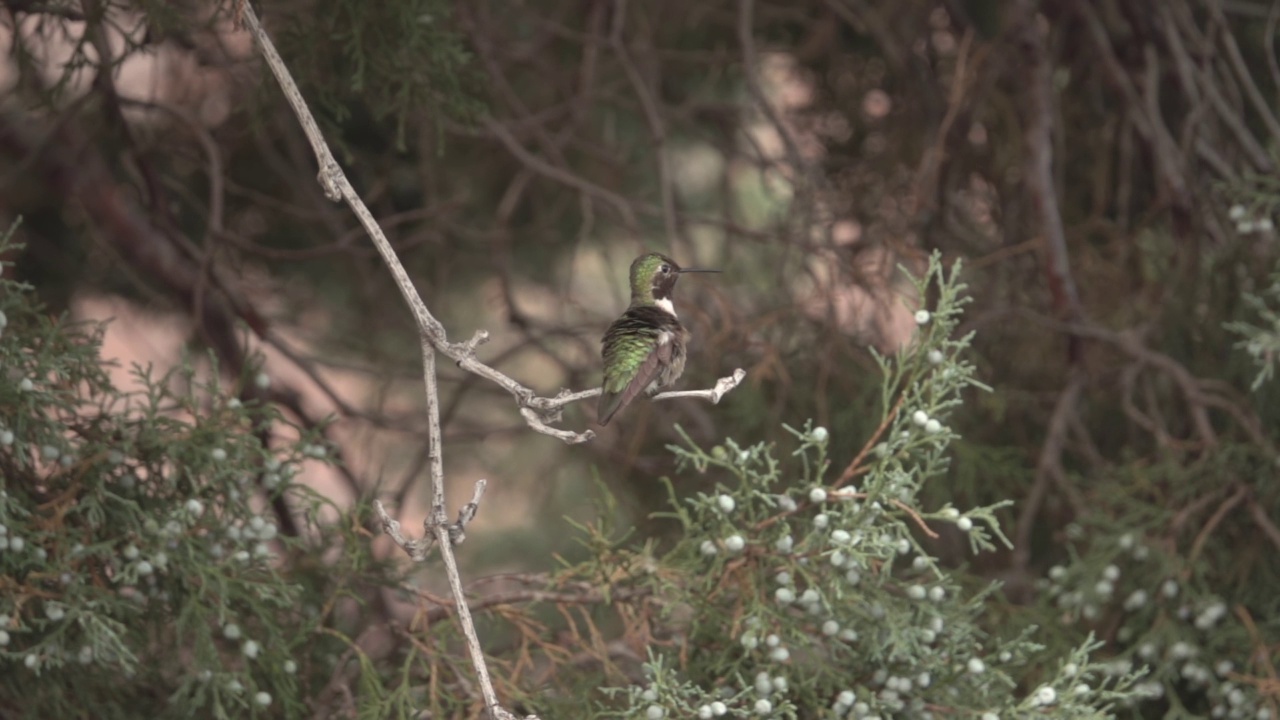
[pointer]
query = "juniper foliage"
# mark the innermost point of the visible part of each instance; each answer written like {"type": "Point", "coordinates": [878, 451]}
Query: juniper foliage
{"type": "Point", "coordinates": [142, 571]}
{"type": "Point", "coordinates": [812, 593]}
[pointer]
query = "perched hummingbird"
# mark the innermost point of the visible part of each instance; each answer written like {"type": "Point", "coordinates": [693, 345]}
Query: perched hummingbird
{"type": "Point", "coordinates": [644, 350]}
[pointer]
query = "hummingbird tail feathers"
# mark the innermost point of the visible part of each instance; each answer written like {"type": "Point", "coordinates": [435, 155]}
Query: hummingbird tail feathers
{"type": "Point", "coordinates": [609, 405]}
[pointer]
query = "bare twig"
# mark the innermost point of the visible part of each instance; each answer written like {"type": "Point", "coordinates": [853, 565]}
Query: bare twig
{"type": "Point", "coordinates": [542, 167]}
{"type": "Point", "coordinates": [1260, 105]}
{"type": "Point", "coordinates": [444, 535]}
{"type": "Point", "coordinates": [431, 336]}
{"type": "Point", "coordinates": [652, 117]}
{"type": "Point", "coordinates": [1038, 138]}
{"type": "Point", "coordinates": [1168, 160]}
{"type": "Point", "coordinates": [1269, 42]}
{"type": "Point", "coordinates": [416, 549]}
{"type": "Point", "coordinates": [1264, 523]}
{"type": "Point", "coordinates": [1049, 469]}
{"type": "Point", "coordinates": [585, 595]}
{"type": "Point", "coordinates": [1239, 496]}
{"type": "Point", "coordinates": [751, 66]}
{"type": "Point", "coordinates": [458, 531]}
{"type": "Point", "coordinates": [1261, 654]}
{"type": "Point", "coordinates": [1131, 344]}
{"type": "Point", "coordinates": [722, 387]}
{"type": "Point", "coordinates": [855, 465]}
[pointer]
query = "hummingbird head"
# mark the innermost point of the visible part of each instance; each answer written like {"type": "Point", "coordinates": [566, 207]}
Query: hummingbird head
{"type": "Point", "coordinates": [653, 277]}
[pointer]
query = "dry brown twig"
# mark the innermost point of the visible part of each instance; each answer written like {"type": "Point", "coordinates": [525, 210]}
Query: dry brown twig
{"type": "Point", "coordinates": [653, 118]}
{"type": "Point", "coordinates": [538, 412]}
{"type": "Point", "coordinates": [1264, 523]}
{"type": "Point", "coordinates": [855, 466]}
{"type": "Point", "coordinates": [1049, 469]}
{"type": "Point", "coordinates": [1197, 546]}
{"type": "Point", "coordinates": [1038, 169]}
{"type": "Point", "coordinates": [751, 66]}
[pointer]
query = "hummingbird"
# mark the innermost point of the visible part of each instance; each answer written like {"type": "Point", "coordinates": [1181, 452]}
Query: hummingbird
{"type": "Point", "coordinates": [644, 350]}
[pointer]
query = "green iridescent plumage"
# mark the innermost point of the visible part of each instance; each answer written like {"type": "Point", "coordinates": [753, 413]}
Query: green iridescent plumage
{"type": "Point", "coordinates": [644, 350]}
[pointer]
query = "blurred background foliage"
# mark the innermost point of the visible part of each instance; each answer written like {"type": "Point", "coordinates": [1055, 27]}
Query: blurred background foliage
{"type": "Point", "coordinates": [1106, 170]}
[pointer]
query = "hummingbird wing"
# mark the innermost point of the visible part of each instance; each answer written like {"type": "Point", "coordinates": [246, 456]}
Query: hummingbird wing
{"type": "Point", "coordinates": [634, 353]}
{"type": "Point", "coordinates": [612, 402]}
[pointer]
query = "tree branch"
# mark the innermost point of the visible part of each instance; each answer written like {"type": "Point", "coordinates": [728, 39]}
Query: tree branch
{"type": "Point", "coordinates": [652, 117]}
{"type": "Point", "coordinates": [431, 336]}
{"type": "Point", "coordinates": [1038, 164]}
{"type": "Point", "coordinates": [722, 387]}
{"type": "Point", "coordinates": [539, 412]}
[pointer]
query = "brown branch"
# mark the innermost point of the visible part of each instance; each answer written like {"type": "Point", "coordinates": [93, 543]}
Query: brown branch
{"type": "Point", "coordinates": [1261, 652]}
{"type": "Point", "coordinates": [1049, 469]}
{"type": "Point", "coordinates": [1264, 523]}
{"type": "Point", "coordinates": [1269, 42]}
{"type": "Point", "coordinates": [657, 129]}
{"type": "Point", "coordinates": [523, 597]}
{"type": "Point", "coordinates": [1128, 341]}
{"type": "Point", "coordinates": [750, 73]}
{"type": "Point", "coordinates": [1128, 380]}
{"type": "Point", "coordinates": [545, 169]}
{"type": "Point", "coordinates": [1210, 85]}
{"type": "Point", "coordinates": [855, 465]}
{"type": "Point", "coordinates": [1038, 117]}
{"type": "Point", "coordinates": [916, 517]}
{"type": "Point", "coordinates": [1188, 383]}
{"type": "Point", "coordinates": [1168, 159]}
{"type": "Point", "coordinates": [1216, 519]}
{"type": "Point", "coordinates": [1237, 61]}
{"type": "Point", "coordinates": [931, 162]}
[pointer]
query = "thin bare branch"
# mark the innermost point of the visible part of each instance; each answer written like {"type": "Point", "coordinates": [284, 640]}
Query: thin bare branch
{"type": "Point", "coordinates": [431, 336]}
{"type": "Point", "coordinates": [722, 387]}
{"type": "Point", "coordinates": [1264, 523]}
{"type": "Point", "coordinates": [1038, 139]}
{"type": "Point", "coordinates": [545, 169]}
{"type": "Point", "coordinates": [1049, 470]}
{"type": "Point", "coordinates": [657, 129]}
{"type": "Point", "coordinates": [750, 70]}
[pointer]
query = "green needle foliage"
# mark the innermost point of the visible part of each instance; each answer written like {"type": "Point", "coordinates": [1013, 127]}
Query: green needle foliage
{"type": "Point", "coordinates": [142, 571]}
{"type": "Point", "coordinates": [808, 593]}
{"type": "Point", "coordinates": [1261, 338]}
{"type": "Point", "coordinates": [398, 61]}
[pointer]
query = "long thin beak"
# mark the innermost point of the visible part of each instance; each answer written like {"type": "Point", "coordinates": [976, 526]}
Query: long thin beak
{"type": "Point", "coordinates": [689, 270]}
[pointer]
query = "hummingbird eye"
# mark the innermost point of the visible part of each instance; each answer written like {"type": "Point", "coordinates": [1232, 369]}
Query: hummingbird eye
{"type": "Point", "coordinates": [666, 269]}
